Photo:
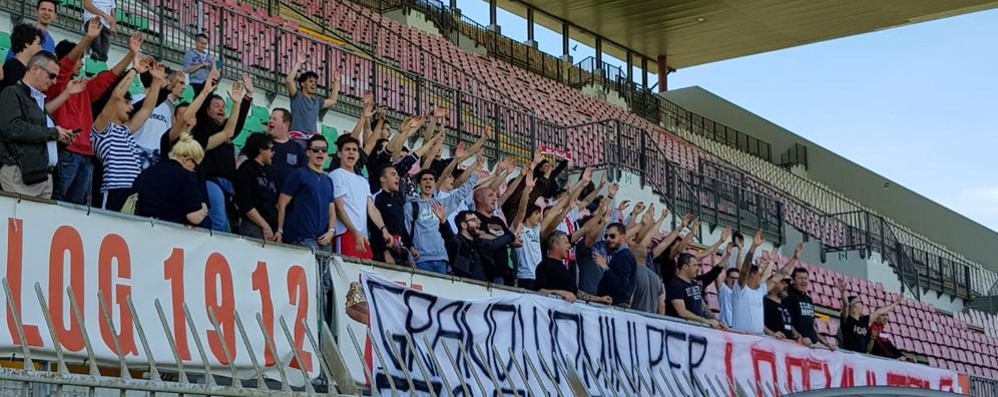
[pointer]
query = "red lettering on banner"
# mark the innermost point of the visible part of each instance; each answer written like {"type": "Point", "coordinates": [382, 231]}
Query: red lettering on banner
{"type": "Point", "coordinates": [847, 377]}
{"type": "Point", "coordinates": [298, 295]}
{"type": "Point", "coordinates": [261, 282]}
{"type": "Point", "coordinates": [115, 247]}
{"type": "Point", "coordinates": [15, 258]}
{"type": "Point", "coordinates": [66, 238]}
{"type": "Point", "coordinates": [762, 356]}
{"type": "Point", "coordinates": [173, 270]}
{"type": "Point", "coordinates": [946, 384]}
{"type": "Point", "coordinates": [806, 366]}
{"type": "Point", "coordinates": [729, 350]}
{"type": "Point", "coordinates": [871, 378]}
{"type": "Point", "coordinates": [902, 380]}
{"type": "Point", "coordinates": [217, 270]}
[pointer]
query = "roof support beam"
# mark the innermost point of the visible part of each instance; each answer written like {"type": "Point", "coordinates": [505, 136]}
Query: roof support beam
{"type": "Point", "coordinates": [663, 73]}
{"type": "Point", "coordinates": [530, 28]}
{"type": "Point", "coordinates": [493, 21]}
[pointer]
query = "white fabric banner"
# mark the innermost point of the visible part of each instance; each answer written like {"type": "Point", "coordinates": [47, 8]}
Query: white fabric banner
{"type": "Point", "coordinates": [608, 349]}
{"type": "Point", "coordinates": [347, 276]}
{"type": "Point", "coordinates": [57, 247]}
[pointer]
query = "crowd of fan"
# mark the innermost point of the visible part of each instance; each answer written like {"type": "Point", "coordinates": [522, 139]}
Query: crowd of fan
{"type": "Point", "coordinates": [88, 141]}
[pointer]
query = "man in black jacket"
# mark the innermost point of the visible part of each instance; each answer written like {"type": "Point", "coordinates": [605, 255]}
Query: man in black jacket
{"type": "Point", "coordinates": [219, 166]}
{"type": "Point", "coordinates": [28, 134]}
{"type": "Point", "coordinates": [466, 249]}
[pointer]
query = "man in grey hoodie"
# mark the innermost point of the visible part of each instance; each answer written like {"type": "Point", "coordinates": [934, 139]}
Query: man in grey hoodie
{"type": "Point", "coordinates": [428, 249]}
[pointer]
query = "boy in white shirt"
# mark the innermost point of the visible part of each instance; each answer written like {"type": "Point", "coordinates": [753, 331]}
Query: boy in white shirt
{"type": "Point", "coordinates": [354, 203]}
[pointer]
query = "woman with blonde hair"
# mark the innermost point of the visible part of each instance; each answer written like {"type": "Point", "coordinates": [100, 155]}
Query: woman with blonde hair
{"type": "Point", "coordinates": [170, 190]}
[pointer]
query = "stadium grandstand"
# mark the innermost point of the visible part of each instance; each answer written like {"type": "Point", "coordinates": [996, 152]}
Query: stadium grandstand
{"type": "Point", "coordinates": [496, 219]}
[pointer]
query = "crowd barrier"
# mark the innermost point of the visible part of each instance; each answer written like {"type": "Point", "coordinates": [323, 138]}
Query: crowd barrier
{"type": "Point", "coordinates": [93, 290]}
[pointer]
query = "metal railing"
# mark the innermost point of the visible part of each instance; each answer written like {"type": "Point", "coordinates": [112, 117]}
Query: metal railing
{"type": "Point", "coordinates": [188, 380]}
{"type": "Point", "coordinates": [169, 22]}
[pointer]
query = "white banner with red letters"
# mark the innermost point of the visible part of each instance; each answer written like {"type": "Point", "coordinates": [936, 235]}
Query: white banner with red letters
{"type": "Point", "coordinates": [57, 247]}
{"type": "Point", "coordinates": [608, 348]}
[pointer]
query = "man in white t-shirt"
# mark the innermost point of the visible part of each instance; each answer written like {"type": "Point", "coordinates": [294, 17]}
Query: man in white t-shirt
{"type": "Point", "coordinates": [750, 290]}
{"type": "Point", "coordinates": [161, 120]}
{"type": "Point", "coordinates": [354, 204]}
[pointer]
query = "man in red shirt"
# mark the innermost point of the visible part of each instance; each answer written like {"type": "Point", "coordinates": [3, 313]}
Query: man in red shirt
{"type": "Point", "coordinates": [75, 169]}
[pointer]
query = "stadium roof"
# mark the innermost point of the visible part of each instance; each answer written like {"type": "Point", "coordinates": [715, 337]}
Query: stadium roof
{"type": "Point", "coordinates": [694, 32]}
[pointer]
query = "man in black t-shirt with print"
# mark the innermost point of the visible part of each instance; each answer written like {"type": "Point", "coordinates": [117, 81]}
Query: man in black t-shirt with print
{"type": "Point", "coordinates": [684, 294]}
{"type": "Point", "coordinates": [801, 309]}
{"type": "Point", "coordinates": [777, 318]}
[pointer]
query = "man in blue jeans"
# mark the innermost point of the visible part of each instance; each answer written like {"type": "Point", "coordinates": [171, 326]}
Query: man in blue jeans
{"type": "Point", "coordinates": [313, 211]}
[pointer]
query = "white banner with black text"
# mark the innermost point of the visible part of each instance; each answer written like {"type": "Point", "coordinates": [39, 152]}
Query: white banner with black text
{"type": "Point", "coordinates": [612, 351]}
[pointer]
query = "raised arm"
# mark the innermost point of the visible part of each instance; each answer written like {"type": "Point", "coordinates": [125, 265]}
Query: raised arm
{"type": "Point", "coordinates": [291, 81]}
{"type": "Point", "coordinates": [103, 119]}
{"type": "Point", "coordinates": [672, 236]}
{"type": "Point", "coordinates": [138, 119]}
{"type": "Point", "coordinates": [685, 242]}
{"type": "Point", "coordinates": [94, 28]}
{"type": "Point", "coordinates": [886, 309]}
{"type": "Point", "coordinates": [218, 138]}
{"type": "Point", "coordinates": [646, 235]}
{"type": "Point", "coordinates": [593, 222]}
{"type": "Point", "coordinates": [334, 91]}
{"type": "Point", "coordinates": [786, 269]}
{"type": "Point", "coordinates": [593, 194]}
{"type": "Point", "coordinates": [433, 118]}
{"type": "Point", "coordinates": [209, 87]}
{"type": "Point", "coordinates": [840, 284]}
{"type": "Point", "coordinates": [727, 254]}
{"type": "Point", "coordinates": [743, 273]}
{"type": "Point", "coordinates": [725, 235]}
{"type": "Point", "coordinates": [134, 47]}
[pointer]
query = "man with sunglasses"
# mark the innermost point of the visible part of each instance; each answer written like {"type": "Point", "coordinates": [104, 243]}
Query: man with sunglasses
{"type": "Point", "coordinates": [28, 150]}
{"type": "Point", "coordinates": [310, 193]}
{"type": "Point", "coordinates": [619, 274]}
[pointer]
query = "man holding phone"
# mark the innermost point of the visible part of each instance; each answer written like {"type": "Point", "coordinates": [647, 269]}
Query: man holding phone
{"type": "Point", "coordinates": [28, 153]}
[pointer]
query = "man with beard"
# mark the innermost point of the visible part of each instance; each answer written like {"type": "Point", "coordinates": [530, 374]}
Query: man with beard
{"type": "Point", "coordinates": [467, 249]}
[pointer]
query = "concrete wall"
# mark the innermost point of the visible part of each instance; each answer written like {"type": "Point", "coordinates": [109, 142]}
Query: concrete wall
{"type": "Point", "coordinates": [925, 216]}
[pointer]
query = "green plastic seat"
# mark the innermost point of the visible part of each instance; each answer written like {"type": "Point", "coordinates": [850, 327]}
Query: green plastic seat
{"type": "Point", "coordinates": [92, 68]}
{"type": "Point", "coordinates": [188, 94]}
{"type": "Point", "coordinates": [331, 135]}
{"type": "Point", "coordinates": [260, 113]}
{"type": "Point", "coordinates": [137, 88]}
{"type": "Point", "coordinates": [240, 140]}
{"type": "Point", "coordinates": [5, 40]}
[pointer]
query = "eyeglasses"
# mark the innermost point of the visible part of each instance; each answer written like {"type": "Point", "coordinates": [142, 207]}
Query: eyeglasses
{"type": "Point", "coordinates": [51, 75]}
{"type": "Point", "coordinates": [318, 149]}
{"type": "Point", "coordinates": [611, 235]}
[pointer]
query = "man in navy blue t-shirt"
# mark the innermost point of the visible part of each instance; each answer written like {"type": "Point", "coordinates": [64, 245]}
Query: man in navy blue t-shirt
{"type": "Point", "coordinates": [310, 193]}
{"type": "Point", "coordinates": [289, 155]}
